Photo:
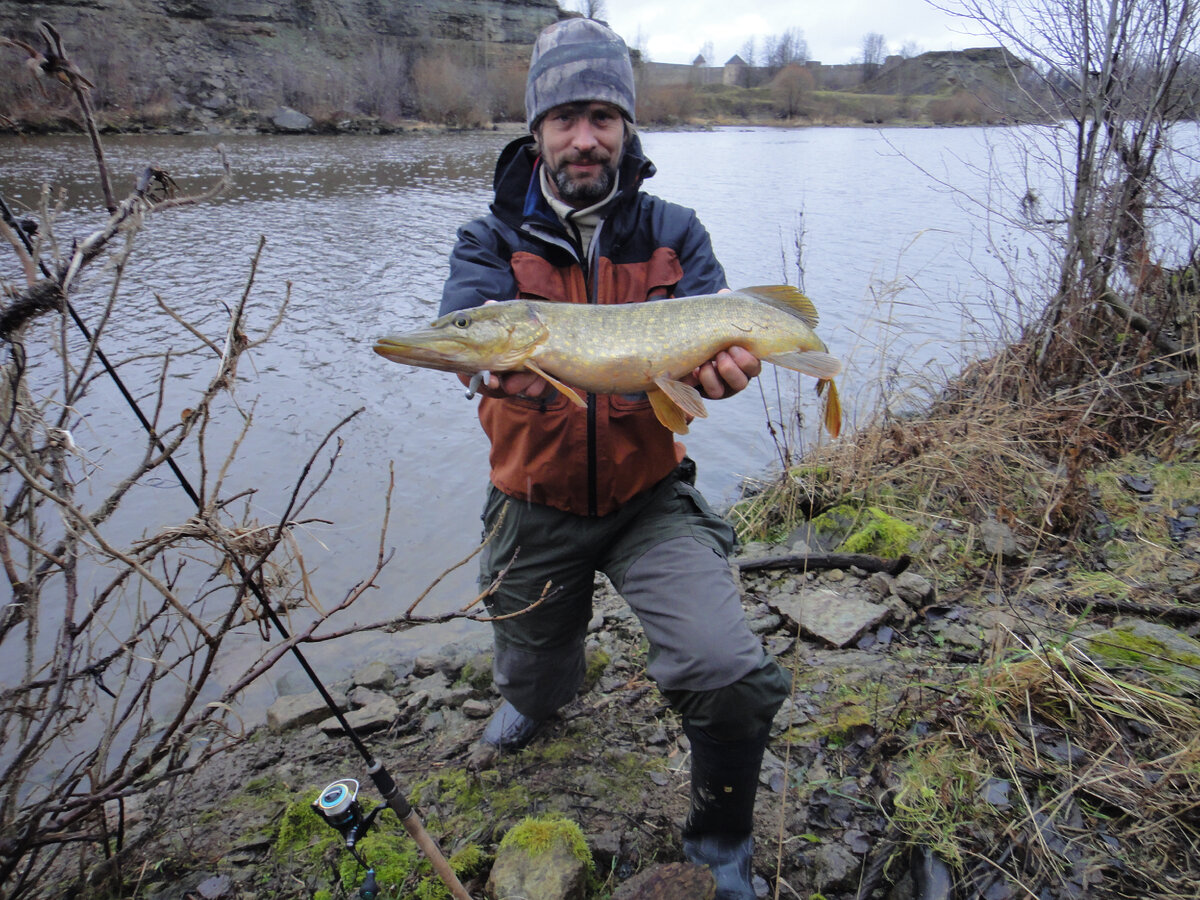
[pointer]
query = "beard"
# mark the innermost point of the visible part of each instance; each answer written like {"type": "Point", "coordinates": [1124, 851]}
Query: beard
{"type": "Point", "coordinates": [585, 191]}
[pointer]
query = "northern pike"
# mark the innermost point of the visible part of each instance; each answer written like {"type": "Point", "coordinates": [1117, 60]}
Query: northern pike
{"type": "Point", "coordinates": [628, 348]}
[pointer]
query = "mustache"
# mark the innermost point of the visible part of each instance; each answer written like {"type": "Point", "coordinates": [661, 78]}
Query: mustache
{"type": "Point", "coordinates": [589, 158]}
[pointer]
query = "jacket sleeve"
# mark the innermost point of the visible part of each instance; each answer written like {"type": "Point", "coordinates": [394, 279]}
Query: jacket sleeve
{"type": "Point", "coordinates": [480, 268]}
{"type": "Point", "coordinates": [702, 272]}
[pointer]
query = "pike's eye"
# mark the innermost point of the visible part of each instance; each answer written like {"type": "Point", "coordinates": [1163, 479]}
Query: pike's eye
{"type": "Point", "coordinates": [461, 321]}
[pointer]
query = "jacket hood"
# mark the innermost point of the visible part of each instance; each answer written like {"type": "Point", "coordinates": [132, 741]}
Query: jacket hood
{"type": "Point", "coordinates": [515, 179]}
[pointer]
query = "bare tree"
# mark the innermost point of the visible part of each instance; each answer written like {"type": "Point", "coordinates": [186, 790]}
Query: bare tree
{"type": "Point", "coordinates": [874, 52]}
{"type": "Point", "coordinates": [1115, 70]}
{"type": "Point", "coordinates": [781, 50]}
{"type": "Point", "coordinates": [592, 9]}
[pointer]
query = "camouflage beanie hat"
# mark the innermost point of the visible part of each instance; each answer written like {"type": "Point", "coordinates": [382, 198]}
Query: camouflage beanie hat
{"type": "Point", "coordinates": [578, 60]}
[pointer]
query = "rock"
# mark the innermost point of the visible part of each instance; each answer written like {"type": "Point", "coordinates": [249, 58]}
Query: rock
{"type": "Point", "coordinates": [913, 589]}
{"type": "Point", "coordinates": [373, 717]}
{"type": "Point", "coordinates": [835, 868]}
{"type": "Point", "coordinates": [547, 868]}
{"type": "Point", "coordinates": [999, 540]}
{"type": "Point", "coordinates": [376, 676]}
{"type": "Point", "coordinates": [669, 881]}
{"type": "Point", "coordinates": [287, 119]}
{"type": "Point", "coordinates": [361, 696]}
{"type": "Point", "coordinates": [831, 617]}
{"type": "Point", "coordinates": [216, 888]}
{"type": "Point", "coordinates": [299, 710]}
{"type": "Point", "coordinates": [476, 709]}
{"type": "Point", "coordinates": [961, 635]}
{"type": "Point", "coordinates": [1169, 656]}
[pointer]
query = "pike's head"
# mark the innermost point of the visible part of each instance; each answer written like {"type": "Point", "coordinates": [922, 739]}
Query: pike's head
{"type": "Point", "coordinates": [498, 337]}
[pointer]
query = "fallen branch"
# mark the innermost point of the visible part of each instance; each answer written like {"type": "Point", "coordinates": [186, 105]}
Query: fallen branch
{"type": "Point", "coordinates": [1181, 614]}
{"type": "Point", "coordinates": [813, 561]}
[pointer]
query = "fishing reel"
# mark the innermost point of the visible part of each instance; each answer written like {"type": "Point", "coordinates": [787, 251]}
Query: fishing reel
{"type": "Point", "coordinates": [338, 805]}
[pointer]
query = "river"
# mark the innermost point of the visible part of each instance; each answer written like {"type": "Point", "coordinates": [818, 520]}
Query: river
{"type": "Point", "coordinates": [360, 228]}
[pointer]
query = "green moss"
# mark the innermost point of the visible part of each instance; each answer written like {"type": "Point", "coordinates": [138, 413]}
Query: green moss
{"type": "Point", "coordinates": [537, 834]}
{"type": "Point", "coordinates": [867, 530]}
{"type": "Point", "coordinates": [1169, 657]}
{"type": "Point", "coordinates": [477, 675]}
{"type": "Point", "coordinates": [597, 662]}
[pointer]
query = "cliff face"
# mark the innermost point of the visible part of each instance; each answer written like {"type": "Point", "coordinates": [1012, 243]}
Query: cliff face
{"type": "Point", "coordinates": [218, 55]}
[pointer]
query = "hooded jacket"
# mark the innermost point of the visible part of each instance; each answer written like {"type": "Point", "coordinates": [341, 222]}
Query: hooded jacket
{"type": "Point", "coordinates": [593, 460]}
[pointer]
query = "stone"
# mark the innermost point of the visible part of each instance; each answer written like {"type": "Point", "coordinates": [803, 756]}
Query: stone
{"type": "Point", "coordinates": [553, 873]}
{"type": "Point", "coordinates": [669, 881]}
{"type": "Point", "coordinates": [476, 709]}
{"type": "Point", "coordinates": [298, 710]}
{"type": "Point", "coordinates": [373, 717]}
{"type": "Point", "coordinates": [835, 867]}
{"type": "Point", "coordinates": [287, 119]}
{"type": "Point", "coordinates": [1170, 657]}
{"type": "Point", "coordinates": [915, 590]}
{"type": "Point", "coordinates": [827, 615]}
{"type": "Point", "coordinates": [376, 676]}
{"type": "Point", "coordinates": [999, 540]}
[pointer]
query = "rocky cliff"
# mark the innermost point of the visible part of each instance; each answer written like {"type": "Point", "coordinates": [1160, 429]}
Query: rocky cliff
{"type": "Point", "coordinates": [223, 55]}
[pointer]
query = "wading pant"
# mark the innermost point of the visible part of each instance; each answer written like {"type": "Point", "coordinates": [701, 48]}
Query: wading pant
{"type": "Point", "coordinates": [666, 554]}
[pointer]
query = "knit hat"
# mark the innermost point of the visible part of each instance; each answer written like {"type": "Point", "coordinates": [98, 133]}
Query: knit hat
{"type": "Point", "coordinates": [578, 60]}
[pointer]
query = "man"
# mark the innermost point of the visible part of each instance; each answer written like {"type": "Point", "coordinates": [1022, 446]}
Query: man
{"type": "Point", "coordinates": [606, 488]}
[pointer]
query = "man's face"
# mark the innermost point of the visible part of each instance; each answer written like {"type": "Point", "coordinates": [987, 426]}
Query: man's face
{"type": "Point", "coordinates": [581, 146]}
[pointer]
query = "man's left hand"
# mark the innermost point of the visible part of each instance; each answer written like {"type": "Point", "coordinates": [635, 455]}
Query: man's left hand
{"type": "Point", "coordinates": [726, 374]}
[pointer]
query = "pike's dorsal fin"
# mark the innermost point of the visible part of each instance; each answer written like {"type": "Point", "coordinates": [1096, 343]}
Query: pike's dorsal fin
{"type": "Point", "coordinates": [567, 391]}
{"type": "Point", "coordinates": [674, 401]}
{"type": "Point", "coordinates": [787, 298]}
{"type": "Point", "coordinates": [807, 362]}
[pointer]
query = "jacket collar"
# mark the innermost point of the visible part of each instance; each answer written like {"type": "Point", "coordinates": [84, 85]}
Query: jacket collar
{"type": "Point", "coordinates": [518, 196]}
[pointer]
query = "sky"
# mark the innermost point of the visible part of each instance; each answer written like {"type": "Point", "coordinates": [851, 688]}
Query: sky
{"type": "Point", "coordinates": [674, 31]}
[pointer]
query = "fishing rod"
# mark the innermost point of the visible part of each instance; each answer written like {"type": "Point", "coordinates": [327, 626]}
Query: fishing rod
{"type": "Point", "coordinates": [339, 809]}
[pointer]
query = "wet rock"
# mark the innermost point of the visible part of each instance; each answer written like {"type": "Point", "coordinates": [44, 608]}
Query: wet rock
{"type": "Point", "coordinates": [833, 618]}
{"type": "Point", "coordinates": [671, 881]}
{"type": "Point", "coordinates": [298, 710]}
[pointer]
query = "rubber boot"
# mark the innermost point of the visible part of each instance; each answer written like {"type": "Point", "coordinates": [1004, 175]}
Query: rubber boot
{"type": "Point", "coordinates": [720, 825]}
{"type": "Point", "coordinates": [509, 729]}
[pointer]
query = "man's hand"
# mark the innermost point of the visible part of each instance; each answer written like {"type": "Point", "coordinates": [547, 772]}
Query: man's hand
{"type": "Point", "coordinates": [525, 385]}
{"type": "Point", "coordinates": [726, 374]}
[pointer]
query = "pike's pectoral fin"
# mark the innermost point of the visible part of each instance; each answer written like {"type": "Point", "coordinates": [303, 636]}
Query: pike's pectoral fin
{"type": "Point", "coordinates": [569, 392]}
{"type": "Point", "coordinates": [674, 401]}
{"type": "Point", "coordinates": [832, 415]}
{"type": "Point", "coordinates": [808, 362]}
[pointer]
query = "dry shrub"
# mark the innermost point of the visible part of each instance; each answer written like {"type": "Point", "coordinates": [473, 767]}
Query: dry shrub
{"type": "Point", "coordinates": [448, 92]}
{"type": "Point", "coordinates": [962, 107]}
{"type": "Point", "coordinates": [666, 104]}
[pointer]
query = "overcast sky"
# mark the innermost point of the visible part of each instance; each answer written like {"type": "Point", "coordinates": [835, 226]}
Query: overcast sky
{"type": "Point", "coordinates": [673, 31]}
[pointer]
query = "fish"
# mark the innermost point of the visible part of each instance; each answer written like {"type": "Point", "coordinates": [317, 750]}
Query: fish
{"type": "Point", "coordinates": [628, 348]}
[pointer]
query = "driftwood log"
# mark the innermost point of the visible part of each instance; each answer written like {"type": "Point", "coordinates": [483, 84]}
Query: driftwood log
{"type": "Point", "coordinates": [813, 561]}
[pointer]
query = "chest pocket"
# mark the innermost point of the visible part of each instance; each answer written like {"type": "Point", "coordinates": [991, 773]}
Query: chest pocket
{"type": "Point", "coordinates": [652, 279]}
